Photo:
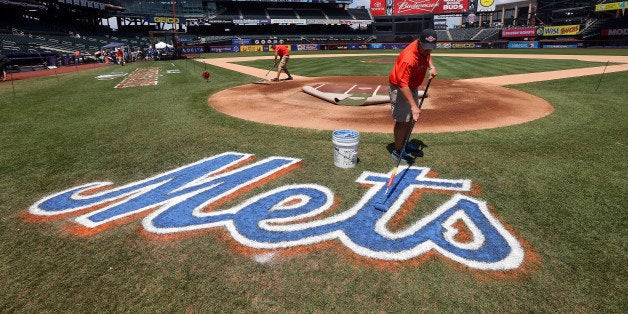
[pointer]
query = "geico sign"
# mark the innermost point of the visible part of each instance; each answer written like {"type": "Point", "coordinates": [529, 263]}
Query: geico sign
{"type": "Point", "coordinates": [161, 19]}
{"type": "Point", "coordinates": [465, 45]}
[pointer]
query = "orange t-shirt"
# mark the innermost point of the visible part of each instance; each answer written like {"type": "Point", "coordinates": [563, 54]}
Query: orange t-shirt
{"type": "Point", "coordinates": [410, 67]}
{"type": "Point", "coordinates": [281, 50]}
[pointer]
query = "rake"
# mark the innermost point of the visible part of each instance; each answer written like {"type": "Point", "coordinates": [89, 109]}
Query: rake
{"type": "Point", "coordinates": [265, 80]}
{"type": "Point", "coordinates": [381, 206]}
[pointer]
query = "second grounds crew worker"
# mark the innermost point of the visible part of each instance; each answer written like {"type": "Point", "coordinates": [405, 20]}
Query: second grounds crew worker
{"type": "Point", "coordinates": [283, 54]}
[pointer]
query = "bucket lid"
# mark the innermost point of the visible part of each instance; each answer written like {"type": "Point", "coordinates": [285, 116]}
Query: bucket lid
{"type": "Point", "coordinates": [345, 134]}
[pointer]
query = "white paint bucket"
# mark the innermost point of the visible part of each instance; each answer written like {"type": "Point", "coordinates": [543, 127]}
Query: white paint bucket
{"type": "Point", "coordinates": [345, 148]}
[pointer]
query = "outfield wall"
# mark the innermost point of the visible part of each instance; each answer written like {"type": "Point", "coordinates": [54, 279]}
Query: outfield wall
{"type": "Point", "coordinates": [537, 44]}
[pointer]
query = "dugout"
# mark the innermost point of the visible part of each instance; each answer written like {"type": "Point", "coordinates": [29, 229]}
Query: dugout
{"type": "Point", "coordinates": [27, 61]}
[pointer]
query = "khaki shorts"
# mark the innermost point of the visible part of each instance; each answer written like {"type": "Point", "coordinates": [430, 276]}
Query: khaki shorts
{"type": "Point", "coordinates": [283, 62]}
{"type": "Point", "coordinates": [400, 108]}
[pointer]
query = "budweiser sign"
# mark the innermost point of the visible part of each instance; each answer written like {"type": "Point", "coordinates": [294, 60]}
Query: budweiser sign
{"type": "Point", "coordinates": [407, 7]}
{"type": "Point", "coordinates": [415, 7]}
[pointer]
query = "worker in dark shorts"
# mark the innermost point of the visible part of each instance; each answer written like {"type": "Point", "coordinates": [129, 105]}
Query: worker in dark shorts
{"type": "Point", "coordinates": [120, 56]}
{"type": "Point", "coordinates": [4, 62]}
{"type": "Point", "coordinates": [283, 54]}
{"type": "Point", "coordinates": [405, 78]}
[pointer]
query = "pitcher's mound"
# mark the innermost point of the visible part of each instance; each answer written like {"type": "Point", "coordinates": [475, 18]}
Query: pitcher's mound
{"type": "Point", "coordinates": [450, 106]}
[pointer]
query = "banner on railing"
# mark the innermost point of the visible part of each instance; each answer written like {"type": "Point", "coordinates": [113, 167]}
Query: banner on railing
{"type": "Point", "coordinates": [611, 6]}
{"type": "Point", "coordinates": [563, 30]}
{"type": "Point", "coordinates": [519, 32]}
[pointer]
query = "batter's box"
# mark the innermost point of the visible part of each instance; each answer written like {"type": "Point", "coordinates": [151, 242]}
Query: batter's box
{"type": "Point", "coordinates": [140, 77]}
{"type": "Point", "coordinates": [349, 95]}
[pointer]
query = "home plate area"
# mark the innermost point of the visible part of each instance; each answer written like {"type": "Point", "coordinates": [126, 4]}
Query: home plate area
{"type": "Point", "coordinates": [349, 94]}
{"type": "Point", "coordinates": [362, 103]}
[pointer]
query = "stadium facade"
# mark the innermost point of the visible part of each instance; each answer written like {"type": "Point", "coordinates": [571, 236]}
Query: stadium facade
{"type": "Point", "coordinates": [84, 27]}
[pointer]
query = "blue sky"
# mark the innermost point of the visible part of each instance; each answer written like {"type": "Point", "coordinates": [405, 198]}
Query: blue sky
{"type": "Point", "coordinates": [357, 3]}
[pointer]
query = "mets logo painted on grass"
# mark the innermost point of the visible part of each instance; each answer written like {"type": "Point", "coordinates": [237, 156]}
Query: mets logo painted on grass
{"type": "Point", "coordinates": [189, 199]}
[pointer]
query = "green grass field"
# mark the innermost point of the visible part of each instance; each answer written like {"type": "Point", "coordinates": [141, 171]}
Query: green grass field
{"type": "Point", "coordinates": [558, 183]}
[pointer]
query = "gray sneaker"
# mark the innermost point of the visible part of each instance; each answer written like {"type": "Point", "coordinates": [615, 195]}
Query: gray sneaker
{"type": "Point", "coordinates": [404, 157]}
{"type": "Point", "coordinates": [413, 150]}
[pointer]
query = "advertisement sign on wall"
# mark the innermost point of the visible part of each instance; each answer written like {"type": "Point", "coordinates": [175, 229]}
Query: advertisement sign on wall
{"type": "Point", "coordinates": [308, 47]}
{"type": "Point", "coordinates": [164, 19]}
{"type": "Point", "coordinates": [241, 41]}
{"type": "Point", "coordinates": [615, 32]}
{"type": "Point", "coordinates": [563, 30]}
{"type": "Point", "coordinates": [523, 45]}
{"type": "Point", "coordinates": [411, 7]}
{"type": "Point", "coordinates": [288, 21]}
{"type": "Point", "coordinates": [486, 5]}
{"type": "Point", "coordinates": [192, 49]}
{"type": "Point", "coordinates": [394, 46]}
{"type": "Point", "coordinates": [378, 7]}
{"type": "Point", "coordinates": [465, 45]}
{"type": "Point", "coordinates": [612, 6]}
{"type": "Point", "coordinates": [560, 46]}
{"type": "Point", "coordinates": [251, 48]}
{"type": "Point", "coordinates": [519, 32]}
{"type": "Point", "coordinates": [415, 7]}
{"type": "Point", "coordinates": [251, 21]}
{"type": "Point", "coordinates": [224, 49]}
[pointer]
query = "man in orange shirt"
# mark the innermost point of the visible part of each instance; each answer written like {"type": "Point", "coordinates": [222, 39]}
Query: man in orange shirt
{"type": "Point", "coordinates": [4, 61]}
{"type": "Point", "coordinates": [283, 54]}
{"type": "Point", "coordinates": [120, 56]}
{"type": "Point", "coordinates": [404, 80]}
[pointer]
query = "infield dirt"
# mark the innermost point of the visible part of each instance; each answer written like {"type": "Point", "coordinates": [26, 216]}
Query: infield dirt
{"type": "Point", "coordinates": [459, 105]}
